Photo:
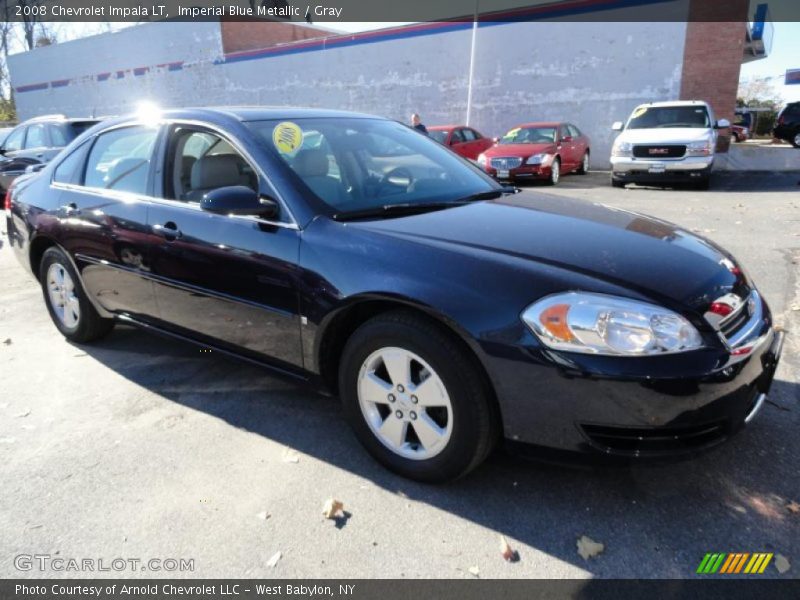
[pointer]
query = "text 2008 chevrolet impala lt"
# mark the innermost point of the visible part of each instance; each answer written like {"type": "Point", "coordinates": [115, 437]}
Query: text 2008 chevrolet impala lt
{"type": "Point", "coordinates": [445, 311]}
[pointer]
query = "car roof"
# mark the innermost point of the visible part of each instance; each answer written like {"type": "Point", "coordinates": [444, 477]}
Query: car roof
{"type": "Point", "coordinates": [677, 103]}
{"type": "Point", "coordinates": [60, 119]}
{"type": "Point", "coordinates": [540, 124]}
{"type": "Point", "coordinates": [263, 113]}
{"type": "Point", "coordinates": [445, 127]}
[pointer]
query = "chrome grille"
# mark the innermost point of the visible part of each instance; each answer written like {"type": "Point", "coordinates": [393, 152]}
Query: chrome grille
{"type": "Point", "coordinates": [506, 162]}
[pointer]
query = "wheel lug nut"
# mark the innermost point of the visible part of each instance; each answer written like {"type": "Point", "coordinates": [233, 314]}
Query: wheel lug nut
{"type": "Point", "coordinates": [391, 398]}
{"type": "Point", "coordinates": [400, 388]}
{"type": "Point", "coordinates": [414, 399]}
{"type": "Point", "coordinates": [413, 415]}
{"type": "Point", "coordinates": [399, 414]}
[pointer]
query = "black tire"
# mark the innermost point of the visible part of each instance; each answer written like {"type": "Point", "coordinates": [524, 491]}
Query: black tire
{"type": "Point", "coordinates": [582, 170]}
{"type": "Point", "coordinates": [795, 139]}
{"type": "Point", "coordinates": [617, 183]}
{"type": "Point", "coordinates": [475, 420]}
{"type": "Point", "coordinates": [90, 325]}
{"type": "Point", "coordinates": [555, 174]}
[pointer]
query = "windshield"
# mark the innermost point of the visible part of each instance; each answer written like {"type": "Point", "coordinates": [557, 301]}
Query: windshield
{"type": "Point", "coordinates": [354, 164]}
{"type": "Point", "coordinates": [657, 117]}
{"type": "Point", "coordinates": [438, 135]}
{"type": "Point", "coordinates": [530, 135]}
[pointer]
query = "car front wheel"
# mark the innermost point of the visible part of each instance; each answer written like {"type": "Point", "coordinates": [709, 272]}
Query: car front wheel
{"type": "Point", "coordinates": [415, 398]}
{"type": "Point", "coordinates": [555, 172]}
{"type": "Point", "coordinates": [796, 140]}
{"type": "Point", "coordinates": [70, 309]}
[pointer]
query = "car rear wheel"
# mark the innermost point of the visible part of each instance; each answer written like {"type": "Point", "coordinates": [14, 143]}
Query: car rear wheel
{"type": "Point", "coordinates": [555, 172]}
{"type": "Point", "coordinates": [584, 168]}
{"type": "Point", "coordinates": [70, 309]}
{"type": "Point", "coordinates": [796, 140]}
{"type": "Point", "coordinates": [415, 399]}
{"type": "Point", "coordinates": [617, 183]}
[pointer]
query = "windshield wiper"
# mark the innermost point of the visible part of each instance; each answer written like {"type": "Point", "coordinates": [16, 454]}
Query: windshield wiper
{"type": "Point", "coordinates": [393, 210]}
{"type": "Point", "coordinates": [489, 194]}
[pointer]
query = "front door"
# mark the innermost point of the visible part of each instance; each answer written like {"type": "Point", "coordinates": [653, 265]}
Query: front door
{"type": "Point", "coordinates": [226, 280]}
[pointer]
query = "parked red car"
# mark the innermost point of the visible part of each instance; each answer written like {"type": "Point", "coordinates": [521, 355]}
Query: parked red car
{"type": "Point", "coordinates": [461, 139]}
{"type": "Point", "coordinates": [739, 133]}
{"type": "Point", "coordinates": [542, 150]}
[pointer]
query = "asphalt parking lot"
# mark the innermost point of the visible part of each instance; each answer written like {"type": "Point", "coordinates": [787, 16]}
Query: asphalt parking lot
{"type": "Point", "coordinates": [141, 447]}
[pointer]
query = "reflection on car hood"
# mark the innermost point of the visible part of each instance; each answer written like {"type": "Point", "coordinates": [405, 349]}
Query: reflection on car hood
{"type": "Point", "coordinates": [523, 150]}
{"type": "Point", "coordinates": [650, 256]}
{"type": "Point", "coordinates": [666, 135]}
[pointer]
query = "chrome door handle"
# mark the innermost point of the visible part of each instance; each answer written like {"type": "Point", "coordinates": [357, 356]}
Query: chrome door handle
{"type": "Point", "coordinates": [168, 230]}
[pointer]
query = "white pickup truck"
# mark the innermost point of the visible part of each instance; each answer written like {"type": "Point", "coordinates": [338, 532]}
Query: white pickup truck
{"type": "Point", "coordinates": [666, 142]}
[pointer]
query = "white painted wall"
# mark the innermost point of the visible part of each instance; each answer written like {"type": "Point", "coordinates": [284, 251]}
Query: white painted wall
{"type": "Point", "coordinates": [589, 73]}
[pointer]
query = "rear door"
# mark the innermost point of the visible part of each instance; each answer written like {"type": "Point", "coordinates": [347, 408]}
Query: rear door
{"type": "Point", "coordinates": [568, 144]}
{"type": "Point", "coordinates": [226, 280]}
{"type": "Point", "coordinates": [105, 186]}
{"type": "Point", "coordinates": [458, 143]}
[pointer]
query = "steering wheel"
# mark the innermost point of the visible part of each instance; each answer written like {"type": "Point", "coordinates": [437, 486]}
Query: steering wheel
{"type": "Point", "coordinates": [397, 173]}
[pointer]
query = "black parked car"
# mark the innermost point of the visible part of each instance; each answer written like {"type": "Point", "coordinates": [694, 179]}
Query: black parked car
{"type": "Point", "coordinates": [36, 141]}
{"type": "Point", "coordinates": [787, 125]}
{"type": "Point", "coordinates": [446, 311]}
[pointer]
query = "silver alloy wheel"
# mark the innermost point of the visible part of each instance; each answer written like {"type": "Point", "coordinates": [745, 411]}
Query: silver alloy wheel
{"type": "Point", "coordinates": [61, 290]}
{"type": "Point", "coordinates": [405, 403]}
{"type": "Point", "coordinates": [555, 172]}
{"type": "Point", "coordinates": [585, 162]}
{"type": "Point", "coordinates": [797, 139]}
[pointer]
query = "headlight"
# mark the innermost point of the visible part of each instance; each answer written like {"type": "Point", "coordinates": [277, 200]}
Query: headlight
{"type": "Point", "coordinates": [701, 148]}
{"type": "Point", "coordinates": [536, 159]}
{"type": "Point", "coordinates": [482, 159]}
{"type": "Point", "coordinates": [622, 149]}
{"type": "Point", "coordinates": [600, 324]}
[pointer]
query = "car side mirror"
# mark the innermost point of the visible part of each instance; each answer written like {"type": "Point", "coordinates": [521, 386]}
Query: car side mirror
{"type": "Point", "coordinates": [35, 168]}
{"type": "Point", "coordinates": [495, 140]}
{"type": "Point", "coordinates": [238, 200]}
{"type": "Point", "coordinates": [566, 138]}
{"type": "Point", "coordinates": [722, 124]}
{"type": "Point", "coordinates": [617, 126]}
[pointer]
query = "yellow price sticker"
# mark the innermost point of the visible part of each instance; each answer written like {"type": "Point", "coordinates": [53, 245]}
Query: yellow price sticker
{"type": "Point", "coordinates": [287, 137]}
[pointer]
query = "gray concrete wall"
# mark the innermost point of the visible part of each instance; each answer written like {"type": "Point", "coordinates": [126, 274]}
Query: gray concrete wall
{"type": "Point", "coordinates": [588, 73]}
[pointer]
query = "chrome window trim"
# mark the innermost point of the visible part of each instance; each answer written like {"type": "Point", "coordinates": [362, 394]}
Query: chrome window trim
{"type": "Point", "coordinates": [232, 139]}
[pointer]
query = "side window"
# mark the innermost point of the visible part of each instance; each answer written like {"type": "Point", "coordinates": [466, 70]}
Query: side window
{"type": "Point", "coordinates": [200, 161]}
{"type": "Point", "coordinates": [574, 131]}
{"type": "Point", "coordinates": [120, 159]}
{"type": "Point", "coordinates": [14, 140]}
{"type": "Point", "coordinates": [70, 169]}
{"type": "Point", "coordinates": [57, 136]}
{"type": "Point", "coordinates": [475, 134]}
{"type": "Point", "coordinates": [469, 135]}
{"type": "Point", "coordinates": [457, 137]}
{"type": "Point", "coordinates": [37, 136]}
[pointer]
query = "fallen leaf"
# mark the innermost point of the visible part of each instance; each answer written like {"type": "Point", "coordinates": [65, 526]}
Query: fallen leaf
{"type": "Point", "coordinates": [7, 341]}
{"type": "Point", "coordinates": [506, 551]}
{"type": "Point", "coordinates": [588, 548]}
{"type": "Point", "coordinates": [274, 560]}
{"type": "Point", "coordinates": [793, 507]}
{"type": "Point", "coordinates": [23, 414]}
{"type": "Point", "coordinates": [291, 456]}
{"type": "Point", "coordinates": [263, 515]}
{"type": "Point", "coordinates": [331, 508]}
{"type": "Point", "coordinates": [474, 571]}
{"type": "Point", "coordinates": [782, 563]}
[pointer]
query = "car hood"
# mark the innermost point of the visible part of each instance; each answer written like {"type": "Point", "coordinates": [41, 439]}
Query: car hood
{"type": "Point", "coordinates": [654, 258]}
{"type": "Point", "coordinates": [678, 135]}
{"type": "Point", "coordinates": [523, 150]}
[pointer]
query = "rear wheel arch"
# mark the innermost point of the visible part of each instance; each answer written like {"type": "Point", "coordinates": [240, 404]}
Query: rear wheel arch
{"type": "Point", "coordinates": [347, 320]}
{"type": "Point", "coordinates": [39, 245]}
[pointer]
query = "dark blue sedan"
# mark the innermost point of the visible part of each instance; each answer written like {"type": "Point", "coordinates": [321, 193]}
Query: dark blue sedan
{"type": "Point", "coordinates": [445, 310]}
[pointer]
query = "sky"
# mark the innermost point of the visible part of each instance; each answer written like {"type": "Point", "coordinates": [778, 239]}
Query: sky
{"type": "Point", "coordinates": [785, 49]}
{"type": "Point", "coordinates": [785, 55]}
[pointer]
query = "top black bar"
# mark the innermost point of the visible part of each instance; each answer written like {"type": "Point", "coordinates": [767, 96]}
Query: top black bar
{"type": "Point", "coordinates": [332, 11]}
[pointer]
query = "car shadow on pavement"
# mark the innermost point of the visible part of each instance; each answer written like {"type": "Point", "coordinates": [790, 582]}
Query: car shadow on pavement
{"type": "Point", "coordinates": [655, 521]}
{"type": "Point", "coordinates": [721, 181]}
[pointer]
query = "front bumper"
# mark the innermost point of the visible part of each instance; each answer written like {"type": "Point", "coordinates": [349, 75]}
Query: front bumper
{"type": "Point", "coordinates": [520, 173]}
{"type": "Point", "coordinates": [689, 168]}
{"type": "Point", "coordinates": [632, 407]}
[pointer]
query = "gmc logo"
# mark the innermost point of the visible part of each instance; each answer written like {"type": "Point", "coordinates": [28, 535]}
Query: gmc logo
{"type": "Point", "coordinates": [658, 150]}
